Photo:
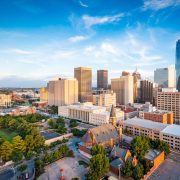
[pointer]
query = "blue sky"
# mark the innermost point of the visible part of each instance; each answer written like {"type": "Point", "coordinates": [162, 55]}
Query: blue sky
{"type": "Point", "coordinates": [43, 39]}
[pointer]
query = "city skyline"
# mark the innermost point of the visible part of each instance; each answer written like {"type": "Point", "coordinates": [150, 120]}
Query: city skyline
{"type": "Point", "coordinates": [43, 40]}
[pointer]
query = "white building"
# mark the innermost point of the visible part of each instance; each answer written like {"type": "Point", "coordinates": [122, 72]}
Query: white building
{"type": "Point", "coordinates": [88, 113]}
{"type": "Point", "coordinates": [165, 77]}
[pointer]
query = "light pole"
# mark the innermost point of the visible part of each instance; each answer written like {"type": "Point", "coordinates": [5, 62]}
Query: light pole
{"type": "Point", "coordinates": [119, 166]}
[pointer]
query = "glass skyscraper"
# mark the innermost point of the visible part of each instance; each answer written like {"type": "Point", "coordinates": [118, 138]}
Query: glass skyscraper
{"type": "Point", "coordinates": [178, 64]}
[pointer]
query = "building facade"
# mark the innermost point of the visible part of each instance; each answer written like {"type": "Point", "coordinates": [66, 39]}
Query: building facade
{"type": "Point", "coordinates": [123, 87]}
{"type": "Point", "coordinates": [137, 78]}
{"type": "Point", "coordinates": [165, 77]}
{"type": "Point", "coordinates": [62, 92]}
{"type": "Point", "coordinates": [161, 116]}
{"type": "Point", "coordinates": [84, 77]}
{"type": "Point", "coordinates": [146, 91]}
{"type": "Point", "coordinates": [154, 130]}
{"type": "Point", "coordinates": [5, 100]}
{"type": "Point", "coordinates": [177, 66]}
{"type": "Point", "coordinates": [43, 94]}
{"type": "Point", "coordinates": [88, 113]}
{"type": "Point", "coordinates": [102, 79]}
{"type": "Point", "coordinates": [170, 101]}
{"type": "Point", "coordinates": [107, 98]}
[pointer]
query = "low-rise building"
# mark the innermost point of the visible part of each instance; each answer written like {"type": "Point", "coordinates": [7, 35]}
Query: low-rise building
{"type": "Point", "coordinates": [22, 111]}
{"type": "Point", "coordinates": [169, 133]}
{"type": "Point", "coordinates": [161, 116]}
{"type": "Point", "coordinates": [88, 113]}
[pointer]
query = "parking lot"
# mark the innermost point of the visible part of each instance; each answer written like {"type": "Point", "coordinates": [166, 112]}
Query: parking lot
{"type": "Point", "coordinates": [70, 166]}
{"type": "Point", "coordinates": [168, 170]}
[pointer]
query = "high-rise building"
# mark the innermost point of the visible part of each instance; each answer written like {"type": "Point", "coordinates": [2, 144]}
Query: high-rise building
{"type": "Point", "coordinates": [136, 77]}
{"type": "Point", "coordinates": [178, 64]}
{"type": "Point", "coordinates": [84, 77]}
{"type": "Point", "coordinates": [102, 79]}
{"type": "Point", "coordinates": [43, 94]}
{"type": "Point", "coordinates": [165, 77]}
{"type": "Point", "coordinates": [123, 87]}
{"type": "Point", "coordinates": [62, 92]}
{"type": "Point", "coordinates": [170, 101]}
{"type": "Point", "coordinates": [146, 91]}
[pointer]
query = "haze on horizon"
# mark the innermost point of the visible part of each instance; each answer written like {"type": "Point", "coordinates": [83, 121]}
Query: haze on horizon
{"type": "Point", "coordinates": [45, 39]}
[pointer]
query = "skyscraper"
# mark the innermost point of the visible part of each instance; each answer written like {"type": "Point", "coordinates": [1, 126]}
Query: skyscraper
{"type": "Point", "coordinates": [62, 92]}
{"type": "Point", "coordinates": [165, 77]}
{"type": "Point", "coordinates": [146, 91]}
{"type": "Point", "coordinates": [84, 77]}
{"type": "Point", "coordinates": [178, 64]}
{"type": "Point", "coordinates": [123, 87]}
{"type": "Point", "coordinates": [102, 79]}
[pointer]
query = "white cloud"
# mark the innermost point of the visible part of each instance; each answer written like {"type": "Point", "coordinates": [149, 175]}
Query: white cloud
{"type": "Point", "coordinates": [18, 51]}
{"type": "Point", "coordinates": [83, 4]}
{"type": "Point", "coordinates": [91, 21]}
{"type": "Point", "coordinates": [75, 39]}
{"type": "Point", "coordinates": [159, 4]}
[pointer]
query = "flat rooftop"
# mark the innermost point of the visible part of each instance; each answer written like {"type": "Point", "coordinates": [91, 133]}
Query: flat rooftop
{"type": "Point", "coordinates": [145, 123]}
{"type": "Point", "coordinates": [172, 129]}
{"type": "Point", "coordinates": [86, 107]}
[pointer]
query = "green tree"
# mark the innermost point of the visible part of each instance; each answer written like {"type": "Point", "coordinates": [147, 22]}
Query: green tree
{"type": "Point", "coordinates": [16, 156]}
{"type": "Point", "coordinates": [98, 149]}
{"type": "Point", "coordinates": [99, 166]}
{"type": "Point", "coordinates": [19, 144]}
{"type": "Point", "coordinates": [73, 123]}
{"type": "Point", "coordinates": [6, 151]}
{"type": "Point", "coordinates": [39, 167]}
{"type": "Point", "coordinates": [139, 146]}
{"type": "Point", "coordinates": [138, 172]}
{"type": "Point", "coordinates": [127, 169]}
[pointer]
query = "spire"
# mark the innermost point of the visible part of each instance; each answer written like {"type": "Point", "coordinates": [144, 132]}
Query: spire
{"type": "Point", "coordinates": [112, 113]}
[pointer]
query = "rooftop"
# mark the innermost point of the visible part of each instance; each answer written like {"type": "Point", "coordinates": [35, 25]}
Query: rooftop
{"type": "Point", "coordinates": [172, 129]}
{"type": "Point", "coordinates": [146, 123]}
{"type": "Point", "coordinates": [152, 154]}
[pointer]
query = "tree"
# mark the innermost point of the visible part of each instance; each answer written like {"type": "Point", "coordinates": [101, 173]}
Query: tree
{"type": "Point", "coordinates": [99, 166]}
{"type": "Point", "coordinates": [39, 166]}
{"type": "Point", "coordinates": [127, 169]}
{"type": "Point", "coordinates": [73, 123]}
{"type": "Point", "coordinates": [146, 166]}
{"type": "Point", "coordinates": [22, 167]}
{"type": "Point", "coordinates": [16, 156]}
{"type": "Point", "coordinates": [6, 151]}
{"type": "Point", "coordinates": [98, 149]}
{"type": "Point", "coordinates": [139, 146]}
{"type": "Point", "coordinates": [138, 172]}
{"type": "Point", "coordinates": [19, 144]}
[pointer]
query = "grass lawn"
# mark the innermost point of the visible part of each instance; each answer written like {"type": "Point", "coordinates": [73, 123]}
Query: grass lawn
{"type": "Point", "coordinates": [7, 135]}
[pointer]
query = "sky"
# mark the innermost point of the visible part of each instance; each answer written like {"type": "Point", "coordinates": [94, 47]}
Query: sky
{"type": "Point", "coordinates": [44, 39]}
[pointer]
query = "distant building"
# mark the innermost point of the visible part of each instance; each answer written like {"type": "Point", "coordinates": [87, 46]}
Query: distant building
{"type": "Point", "coordinates": [161, 116]}
{"type": "Point", "coordinates": [165, 77]}
{"type": "Point", "coordinates": [88, 113]}
{"type": "Point", "coordinates": [84, 77]}
{"type": "Point", "coordinates": [102, 79]}
{"type": "Point", "coordinates": [43, 94]}
{"type": "Point", "coordinates": [177, 65]}
{"type": "Point", "coordinates": [62, 92]}
{"type": "Point", "coordinates": [170, 101]}
{"type": "Point", "coordinates": [154, 130]}
{"type": "Point", "coordinates": [146, 91]}
{"type": "Point", "coordinates": [107, 98]}
{"type": "Point", "coordinates": [22, 111]}
{"type": "Point", "coordinates": [123, 87]}
{"type": "Point", "coordinates": [5, 100]}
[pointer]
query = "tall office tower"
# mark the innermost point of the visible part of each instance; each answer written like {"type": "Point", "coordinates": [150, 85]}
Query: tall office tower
{"type": "Point", "coordinates": [169, 100]}
{"type": "Point", "coordinates": [136, 77]}
{"type": "Point", "coordinates": [62, 92]}
{"type": "Point", "coordinates": [123, 87]}
{"type": "Point", "coordinates": [102, 79]}
{"type": "Point", "coordinates": [84, 77]}
{"type": "Point", "coordinates": [165, 77]}
{"type": "Point", "coordinates": [146, 91]}
{"type": "Point", "coordinates": [43, 94]}
{"type": "Point", "coordinates": [178, 64]}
